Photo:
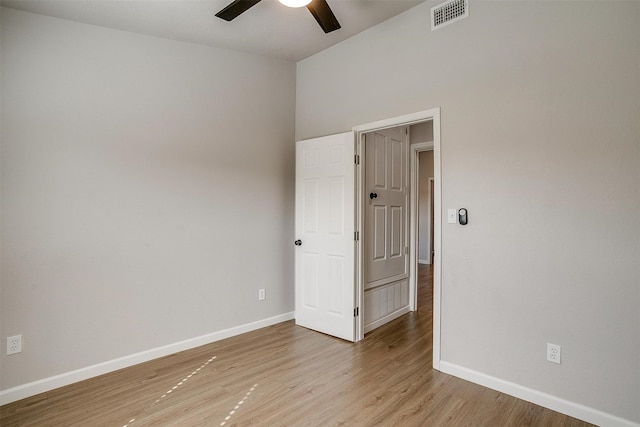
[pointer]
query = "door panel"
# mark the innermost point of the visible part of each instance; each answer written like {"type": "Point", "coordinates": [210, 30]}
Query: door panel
{"type": "Point", "coordinates": [396, 164]}
{"type": "Point", "coordinates": [386, 182]}
{"type": "Point", "coordinates": [310, 197]}
{"type": "Point", "coordinates": [380, 161]}
{"type": "Point", "coordinates": [383, 302]}
{"type": "Point", "coordinates": [396, 248]}
{"type": "Point", "coordinates": [336, 206]}
{"type": "Point", "coordinates": [310, 269]}
{"type": "Point", "coordinates": [379, 234]}
{"type": "Point", "coordinates": [325, 225]}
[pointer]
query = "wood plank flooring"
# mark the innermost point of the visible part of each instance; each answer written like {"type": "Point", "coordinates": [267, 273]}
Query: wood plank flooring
{"type": "Point", "coordinates": [285, 375]}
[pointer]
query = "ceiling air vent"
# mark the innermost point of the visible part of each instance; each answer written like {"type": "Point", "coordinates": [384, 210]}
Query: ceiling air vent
{"type": "Point", "coordinates": [448, 12]}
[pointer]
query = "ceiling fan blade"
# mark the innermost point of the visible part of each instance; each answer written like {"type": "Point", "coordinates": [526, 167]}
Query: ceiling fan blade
{"type": "Point", "coordinates": [235, 8]}
{"type": "Point", "coordinates": [324, 15]}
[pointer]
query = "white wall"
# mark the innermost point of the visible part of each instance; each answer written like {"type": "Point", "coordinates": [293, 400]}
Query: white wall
{"type": "Point", "coordinates": [540, 140]}
{"type": "Point", "coordinates": [147, 192]}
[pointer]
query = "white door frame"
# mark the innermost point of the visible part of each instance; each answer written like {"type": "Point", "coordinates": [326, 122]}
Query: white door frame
{"type": "Point", "coordinates": [409, 119]}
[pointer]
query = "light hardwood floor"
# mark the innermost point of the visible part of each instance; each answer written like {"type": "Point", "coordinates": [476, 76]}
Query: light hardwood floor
{"type": "Point", "coordinates": [286, 375]}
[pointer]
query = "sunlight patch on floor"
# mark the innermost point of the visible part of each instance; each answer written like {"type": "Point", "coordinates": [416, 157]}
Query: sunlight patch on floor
{"type": "Point", "coordinates": [233, 411]}
{"type": "Point", "coordinates": [175, 387]}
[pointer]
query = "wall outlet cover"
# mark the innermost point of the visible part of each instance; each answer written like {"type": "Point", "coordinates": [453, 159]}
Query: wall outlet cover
{"type": "Point", "coordinates": [553, 353]}
{"type": "Point", "coordinates": [14, 344]}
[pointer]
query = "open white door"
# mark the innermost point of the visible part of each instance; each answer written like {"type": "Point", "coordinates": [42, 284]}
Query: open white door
{"type": "Point", "coordinates": [325, 224]}
{"type": "Point", "coordinates": [385, 237]}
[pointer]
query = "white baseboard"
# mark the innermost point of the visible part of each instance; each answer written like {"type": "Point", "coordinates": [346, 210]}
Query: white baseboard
{"type": "Point", "coordinates": [424, 261]}
{"type": "Point", "coordinates": [554, 403]}
{"type": "Point", "coordinates": [47, 384]}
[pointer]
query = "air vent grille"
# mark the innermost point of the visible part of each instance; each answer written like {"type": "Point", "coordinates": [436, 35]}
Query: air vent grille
{"type": "Point", "coordinates": [448, 12]}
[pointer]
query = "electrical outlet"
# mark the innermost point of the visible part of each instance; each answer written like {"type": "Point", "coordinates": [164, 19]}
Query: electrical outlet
{"type": "Point", "coordinates": [553, 353]}
{"type": "Point", "coordinates": [261, 294]}
{"type": "Point", "coordinates": [14, 344]}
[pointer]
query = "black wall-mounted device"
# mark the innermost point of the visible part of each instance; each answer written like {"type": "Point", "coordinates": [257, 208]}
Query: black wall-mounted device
{"type": "Point", "coordinates": [463, 217]}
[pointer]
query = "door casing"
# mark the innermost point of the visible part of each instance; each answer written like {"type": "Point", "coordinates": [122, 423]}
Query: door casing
{"type": "Point", "coordinates": [405, 120]}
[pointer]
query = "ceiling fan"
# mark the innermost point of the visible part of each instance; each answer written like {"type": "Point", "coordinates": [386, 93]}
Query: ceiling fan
{"type": "Point", "coordinates": [319, 9]}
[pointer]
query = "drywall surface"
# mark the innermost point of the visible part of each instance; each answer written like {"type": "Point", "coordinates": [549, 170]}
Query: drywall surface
{"type": "Point", "coordinates": [540, 141]}
{"type": "Point", "coordinates": [421, 132]}
{"type": "Point", "coordinates": [147, 192]}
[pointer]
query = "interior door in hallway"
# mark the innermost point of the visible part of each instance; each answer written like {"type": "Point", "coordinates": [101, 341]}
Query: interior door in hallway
{"type": "Point", "coordinates": [324, 233]}
{"type": "Point", "coordinates": [386, 179]}
{"type": "Point", "coordinates": [385, 247]}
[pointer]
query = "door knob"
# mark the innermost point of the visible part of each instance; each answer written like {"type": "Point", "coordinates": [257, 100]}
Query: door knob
{"type": "Point", "coordinates": [373, 195]}
{"type": "Point", "coordinates": [298, 243]}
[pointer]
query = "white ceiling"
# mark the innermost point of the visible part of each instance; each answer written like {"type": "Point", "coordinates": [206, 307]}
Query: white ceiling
{"type": "Point", "coordinates": [268, 28]}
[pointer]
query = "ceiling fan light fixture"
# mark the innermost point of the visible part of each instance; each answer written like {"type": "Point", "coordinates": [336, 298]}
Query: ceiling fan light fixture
{"type": "Point", "coordinates": [295, 3]}
{"type": "Point", "coordinates": [320, 10]}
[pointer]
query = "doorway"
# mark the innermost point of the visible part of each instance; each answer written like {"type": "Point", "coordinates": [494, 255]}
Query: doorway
{"type": "Point", "coordinates": [425, 207]}
{"type": "Point", "coordinates": [432, 116]}
{"type": "Point", "coordinates": [423, 191]}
